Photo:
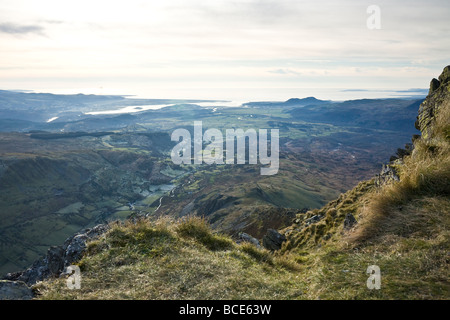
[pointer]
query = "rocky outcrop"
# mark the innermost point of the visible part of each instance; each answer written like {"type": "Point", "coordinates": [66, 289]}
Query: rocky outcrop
{"type": "Point", "coordinates": [273, 240]}
{"type": "Point", "coordinates": [438, 97]}
{"type": "Point", "coordinates": [57, 258]}
{"type": "Point", "coordinates": [15, 290]}
{"type": "Point", "coordinates": [387, 175]}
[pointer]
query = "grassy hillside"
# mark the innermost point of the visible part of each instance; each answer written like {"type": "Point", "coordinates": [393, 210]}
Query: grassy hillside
{"type": "Point", "coordinates": [176, 260]}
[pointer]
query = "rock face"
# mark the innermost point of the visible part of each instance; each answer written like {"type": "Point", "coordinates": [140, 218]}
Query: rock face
{"type": "Point", "coordinates": [273, 240]}
{"type": "Point", "coordinates": [57, 258]}
{"type": "Point", "coordinates": [387, 175]}
{"type": "Point", "coordinates": [438, 97]}
{"type": "Point", "coordinates": [15, 290]}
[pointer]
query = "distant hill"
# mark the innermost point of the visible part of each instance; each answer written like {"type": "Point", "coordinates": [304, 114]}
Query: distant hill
{"type": "Point", "coordinates": [288, 103]}
{"type": "Point", "coordinates": [304, 101]}
{"type": "Point", "coordinates": [386, 114]}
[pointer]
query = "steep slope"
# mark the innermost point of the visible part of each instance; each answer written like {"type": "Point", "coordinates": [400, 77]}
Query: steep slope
{"type": "Point", "coordinates": [398, 221]}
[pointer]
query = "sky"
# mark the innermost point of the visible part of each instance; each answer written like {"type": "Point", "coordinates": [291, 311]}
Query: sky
{"type": "Point", "coordinates": [217, 49]}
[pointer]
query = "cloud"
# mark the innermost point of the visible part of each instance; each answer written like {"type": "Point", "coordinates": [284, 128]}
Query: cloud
{"type": "Point", "coordinates": [255, 43]}
{"type": "Point", "coordinates": [16, 29]}
{"type": "Point", "coordinates": [414, 90]}
{"type": "Point", "coordinates": [285, 71]}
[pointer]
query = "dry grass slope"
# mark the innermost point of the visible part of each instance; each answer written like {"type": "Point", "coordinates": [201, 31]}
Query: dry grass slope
{"type": "Point", "coordinates": [182, 259]}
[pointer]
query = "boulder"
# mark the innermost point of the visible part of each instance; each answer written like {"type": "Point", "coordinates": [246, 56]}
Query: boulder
{"type": "Point", "coordinates": [273, 240]}
{"type": "Point", "coordinates": [248, 238]}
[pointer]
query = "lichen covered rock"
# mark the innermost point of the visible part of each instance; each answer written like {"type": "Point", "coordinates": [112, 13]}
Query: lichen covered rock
{"type": "Point", "coordinates": [438, 97]}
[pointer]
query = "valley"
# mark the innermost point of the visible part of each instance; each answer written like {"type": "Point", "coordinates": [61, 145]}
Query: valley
{"type": "Point", "coordinates": [81, 169]}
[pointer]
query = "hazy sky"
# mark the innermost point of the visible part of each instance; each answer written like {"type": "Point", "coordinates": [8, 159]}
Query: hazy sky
{"type": "Point", "coordinates": [159, 48]}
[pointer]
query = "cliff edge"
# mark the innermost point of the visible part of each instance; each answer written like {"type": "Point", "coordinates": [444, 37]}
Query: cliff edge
{"type": "Point", "coordinates": [438, 98]}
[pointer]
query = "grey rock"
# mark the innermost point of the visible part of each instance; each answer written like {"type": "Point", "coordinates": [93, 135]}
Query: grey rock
{"type": "Point", "coordinates": [15, 290]}
{"type": "Point", "coordinates": [54, 259]}
{"type": "Point", "coordinates": [313, 219]}
{"type": "Point", "coordinates": [438, 97]}
{"type": "Point", "coordinates": [349, 221]}
{"type": "Point", "coordinates": [37, 272]}
{"type": "Point", "coordinates": [273, 240]}
{"type": "Point", "coordinates": [248, 238]}
{"type": "Point", "coordinates": [387, 175]}
{"type": "Point", "coordinates": [58, 257]}
{"type": "Point", "coordinates": [74, 248]}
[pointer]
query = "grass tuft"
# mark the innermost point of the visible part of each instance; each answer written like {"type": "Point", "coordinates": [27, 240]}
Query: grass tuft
{"type": "Point", "coordinates": [198, 228]}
